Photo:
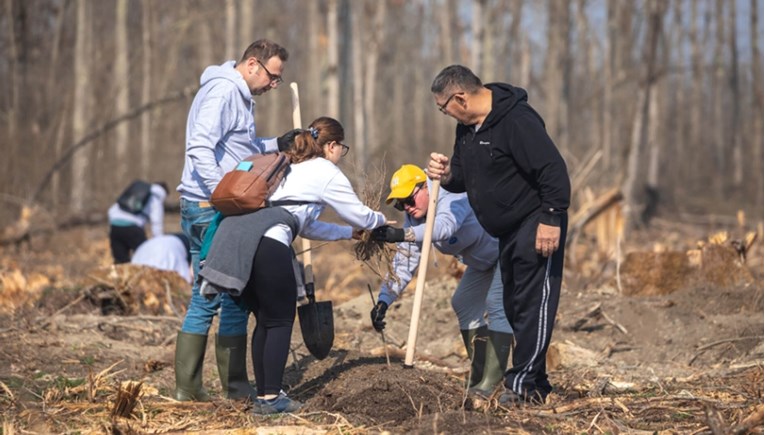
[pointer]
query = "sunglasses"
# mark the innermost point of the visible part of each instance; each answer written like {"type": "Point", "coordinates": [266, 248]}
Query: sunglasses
{"type": "Point", "coordinates": [408, 201]}
{"type": "Point", "coordinates": [275, 79]}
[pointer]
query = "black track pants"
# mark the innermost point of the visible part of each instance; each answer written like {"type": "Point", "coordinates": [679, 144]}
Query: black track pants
{"type": "Point", "coordinates": [531, 292]}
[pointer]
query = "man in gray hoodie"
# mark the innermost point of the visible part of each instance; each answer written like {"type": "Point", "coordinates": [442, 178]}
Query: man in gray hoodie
{"type": "Point", "coordinates": [478, 295]}
{"type": "Point", "coordinates": [220, 132]}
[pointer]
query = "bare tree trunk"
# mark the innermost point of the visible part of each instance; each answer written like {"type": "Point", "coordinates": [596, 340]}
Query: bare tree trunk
{"type": "Point", "coordinates": [121, 82]}
{"type": "Point", "coordinates": [756, 104]}
{"type": "Point", "coordinates": [146, 88]}
{"type": "Point", "coordinates": [641, 125]}
{"type": "Point", "coordinates": [246, 29]}
{"type": "Point", "coordinates": [419, 91]}
{"type": "Point", "coordinates": [525, 62]}
{"type": "Point", "coordinates": [654, 155]}
{"type": "Point", "coordinates": [449, 34]}
{"type": "Point", "coordinates": [59, 130]}
{"type": "Point", "coordinates": [492, 22]}
{"type": "Point", "coordinates": [609, 84]}
{"type": "Point", "coordinates": [511, 45]}
{"type": "Point", "coordinates": [677, 136]}
{"type": "Point", "coordinates": [622, 110]}
{"type": "Point", "coordinates": [58, 144]}
{"type": "Point", "coordinates": [204, 43]}
{"type": "Point", "coordinates": [718, 78]}
{"type": "Point", "coordinates": [345, 60]}
{"type": "Point", "coordinates": [14, 85]}
{"type": "Point", "coordinates": [584, 113]}
{"type": "Point", "coordinates": [476, 52]}
{"type": "Point", "coordinates": [556, 72]}
{"type": "Point", "coordinates": [230, 50]}
{"type": "Point", "coordinates": [81, 109]}
{"type": "Point", "coordinates": [372, 52]}
{"type": "Point", "coordinates": [332, 75]}
{"type": "Point", "coordinates": [733, 127]}
{"type": "Point", "coordinates": [697, 79]}
{"type": "Point", "coordinates": [315, 57]}
{"type": "Point", "coordinates": [359, 127]}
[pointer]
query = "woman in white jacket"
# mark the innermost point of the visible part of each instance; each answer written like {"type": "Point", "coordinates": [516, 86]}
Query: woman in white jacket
{"type": "Point", "coordinates": [251, 255]}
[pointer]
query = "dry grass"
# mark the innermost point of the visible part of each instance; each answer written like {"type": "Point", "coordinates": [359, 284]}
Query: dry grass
{"type": "Point", "coordinates": [377, 256]}
{"type": "Point", "coordinates": [713, 401]}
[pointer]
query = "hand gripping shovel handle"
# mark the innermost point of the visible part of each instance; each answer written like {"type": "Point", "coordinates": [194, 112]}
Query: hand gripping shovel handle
{"type": "Point", "coordinates": [411, 341]}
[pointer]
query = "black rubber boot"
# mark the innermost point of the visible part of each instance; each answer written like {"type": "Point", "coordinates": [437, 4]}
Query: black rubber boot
{"type": "Point", "coordinates": [475, 343]}
{"type": "Point", "coordinates": [231, 355]}
{"type": "Point", "coordinates": [189, 357]}
{"type": "Point", "coordinates": [498, 348]}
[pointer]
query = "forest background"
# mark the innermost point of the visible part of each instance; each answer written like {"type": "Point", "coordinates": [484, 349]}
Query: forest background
{"type": "Point", "coordinates": [661, 99]}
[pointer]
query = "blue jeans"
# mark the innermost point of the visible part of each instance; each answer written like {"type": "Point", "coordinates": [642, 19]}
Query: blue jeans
{"type": "Point", "coordinates": [199, 316]}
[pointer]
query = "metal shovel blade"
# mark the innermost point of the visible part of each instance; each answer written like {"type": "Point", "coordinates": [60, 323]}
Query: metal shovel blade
{"type": "Point", "coordinates": [318, 327]}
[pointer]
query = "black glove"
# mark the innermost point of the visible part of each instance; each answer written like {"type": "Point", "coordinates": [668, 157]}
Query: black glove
{"type": "Point", "coordinates": [387, 233]}
{"type": "Point", "coordinates": [378, 316]}
{"type": "Point", "coordinates": [284, 142]}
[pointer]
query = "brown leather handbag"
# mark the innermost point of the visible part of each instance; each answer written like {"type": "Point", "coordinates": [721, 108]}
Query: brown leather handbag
{"type": "Point", "coordinates": [248, 187]}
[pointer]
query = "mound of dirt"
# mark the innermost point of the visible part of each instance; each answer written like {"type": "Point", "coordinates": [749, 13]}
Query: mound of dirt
{"type": "Point", "coordinates": [387, 396]}
{"type": "Point", "coordinates": [371, 394]}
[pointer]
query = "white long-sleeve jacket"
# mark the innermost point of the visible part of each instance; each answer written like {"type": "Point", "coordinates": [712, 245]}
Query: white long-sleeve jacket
{"type": "Point", "coordinates": [323, 184]}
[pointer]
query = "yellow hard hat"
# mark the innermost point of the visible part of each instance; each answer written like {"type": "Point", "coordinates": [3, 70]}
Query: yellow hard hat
{"type": "Point", "coordinates": [403, 182]}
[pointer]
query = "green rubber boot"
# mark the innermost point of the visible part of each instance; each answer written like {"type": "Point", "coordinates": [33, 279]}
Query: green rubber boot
{"type": "Point", "coordinates": [498, 348]}
{"type": "Point", "coordinates": [231, 355]}
{"type": "Point", "coordinates": [475, 343]}
{"type": "Point", "coordinates": [189, 357]}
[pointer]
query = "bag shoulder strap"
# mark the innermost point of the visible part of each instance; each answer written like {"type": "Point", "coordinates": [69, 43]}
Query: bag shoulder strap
{"type": "Point", "coordinates": [287, 202]}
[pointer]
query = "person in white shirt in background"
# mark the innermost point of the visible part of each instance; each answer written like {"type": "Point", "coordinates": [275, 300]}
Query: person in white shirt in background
{"type": "Point", "coordinates": [167, 252]}
{"type": "Point", "coordinates": [251, 255]}
{"type": "Point", "coordinates": [126, 229]}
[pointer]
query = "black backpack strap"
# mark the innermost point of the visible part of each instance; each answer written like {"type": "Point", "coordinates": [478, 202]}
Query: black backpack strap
{"type": "Point", "coordinates": [287, 202]}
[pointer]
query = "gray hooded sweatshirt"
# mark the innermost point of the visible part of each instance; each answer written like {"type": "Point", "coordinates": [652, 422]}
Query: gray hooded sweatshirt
{"type": "Point", "coordinates": [220, 131]}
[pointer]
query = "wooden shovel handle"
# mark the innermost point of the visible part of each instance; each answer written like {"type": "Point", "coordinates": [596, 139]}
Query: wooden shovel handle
{"type": "Point", "coordinates": [297, 122]}
{"type": "Point", "coordinates": [411, 342]}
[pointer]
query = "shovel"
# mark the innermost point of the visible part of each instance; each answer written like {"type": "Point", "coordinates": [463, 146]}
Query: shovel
{"type": "Point", "coordinates": [316, 322]}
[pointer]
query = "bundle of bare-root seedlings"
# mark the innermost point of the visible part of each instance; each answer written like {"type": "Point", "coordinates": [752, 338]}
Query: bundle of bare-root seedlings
{"type": "Point", "coordinates": [376, 255]}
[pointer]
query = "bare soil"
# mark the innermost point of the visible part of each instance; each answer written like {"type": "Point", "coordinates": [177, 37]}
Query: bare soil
{"type": "Point", "coordinates": [73, 331]}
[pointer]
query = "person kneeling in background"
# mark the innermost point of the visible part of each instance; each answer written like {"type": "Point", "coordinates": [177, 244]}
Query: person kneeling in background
{"type": "Point", "coordinates": [167, 252]}
{"type": "Point", "coordinates": [456, 232]}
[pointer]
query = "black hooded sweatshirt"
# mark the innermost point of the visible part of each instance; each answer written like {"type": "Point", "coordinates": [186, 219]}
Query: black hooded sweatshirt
{"type": "Point", "coordinates": [510, 167]}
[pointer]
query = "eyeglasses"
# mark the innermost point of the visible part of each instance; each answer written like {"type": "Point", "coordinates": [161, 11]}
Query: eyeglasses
{"type": "Point", "coordinates": [275, 79]}
{"type": "Point", "coordinates": [408, 201]}
{"type": "Point", "coordinates": [442, 107]}
{"type": "Point", "coordinates": [346, 148]}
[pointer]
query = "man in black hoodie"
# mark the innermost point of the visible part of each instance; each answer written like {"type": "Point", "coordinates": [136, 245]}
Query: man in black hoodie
{"type": "Point", "coordinates": [517, 184]}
